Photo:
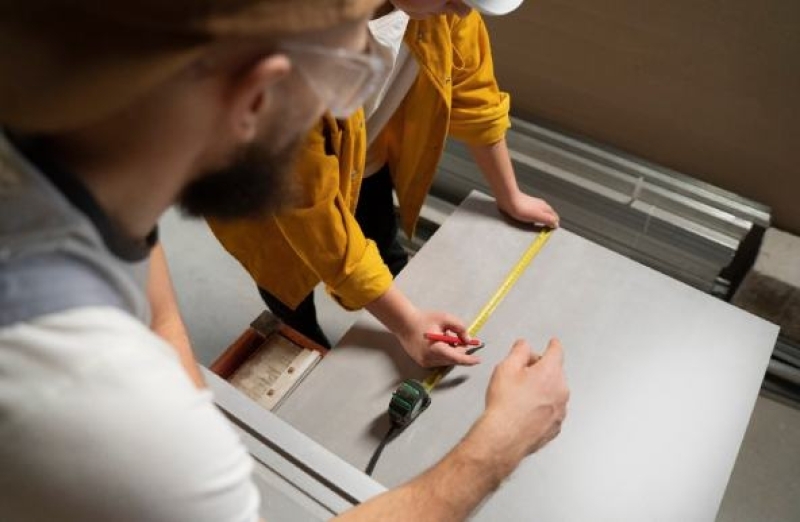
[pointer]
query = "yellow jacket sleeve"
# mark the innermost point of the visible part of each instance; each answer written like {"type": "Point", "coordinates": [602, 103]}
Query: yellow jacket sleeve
{"type": "Point", "coordinates": [321, 227]}
{"type": "Point", "coordinates": [479, 112]}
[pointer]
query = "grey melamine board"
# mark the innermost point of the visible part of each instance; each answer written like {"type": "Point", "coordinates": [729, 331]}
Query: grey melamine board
{"type": "Point", "coordinates": [663, 377]}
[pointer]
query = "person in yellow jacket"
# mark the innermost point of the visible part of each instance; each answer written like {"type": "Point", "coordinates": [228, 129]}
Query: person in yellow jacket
{"type": "Point", "coordinates": [342, 229]}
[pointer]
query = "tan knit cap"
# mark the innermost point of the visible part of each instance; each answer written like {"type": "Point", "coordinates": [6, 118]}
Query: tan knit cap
{"type": "Point", "coordinates": [65, 63]}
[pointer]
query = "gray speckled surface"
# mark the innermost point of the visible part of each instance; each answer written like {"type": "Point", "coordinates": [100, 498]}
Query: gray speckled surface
{"type": "Point", "coordinates": [663, 377]}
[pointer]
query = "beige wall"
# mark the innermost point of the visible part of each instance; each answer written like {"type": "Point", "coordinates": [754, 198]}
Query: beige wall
{"type": "Point", "coordinates": [707, 87]}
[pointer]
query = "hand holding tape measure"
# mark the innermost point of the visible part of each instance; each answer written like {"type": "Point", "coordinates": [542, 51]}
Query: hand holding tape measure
{"type": "Point", "coordinates": [412, 397]}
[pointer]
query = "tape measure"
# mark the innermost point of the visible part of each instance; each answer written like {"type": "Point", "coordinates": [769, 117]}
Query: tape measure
{"type": "Point", "coordinates": [488, 309]}
{"type": "Point", "coordinates": [408, 401]}
{"type": "Point", "coordinates": [412, 397]}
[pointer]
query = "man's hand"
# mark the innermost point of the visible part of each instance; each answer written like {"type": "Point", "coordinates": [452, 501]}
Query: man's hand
{"type": "Point", "coordinates": [429, 354]}
{"type": "Point", "coordinates": [525, 405]}
{"type": "Point", "coordinates": [495, 164]}
{"type": "Point", "coordinates": [409, 324]}
{"type": "Point", "coordinates": [528, 209]}
{"type": "Point", "coordinates": [526, 401]}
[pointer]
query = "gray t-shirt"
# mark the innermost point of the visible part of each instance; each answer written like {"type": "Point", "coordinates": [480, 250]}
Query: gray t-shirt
{"type": "Point", "coordinates": [98, 420]}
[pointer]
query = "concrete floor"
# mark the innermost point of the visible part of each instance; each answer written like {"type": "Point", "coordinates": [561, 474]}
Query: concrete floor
{"type": "Point", "coordinates": [218, 300]}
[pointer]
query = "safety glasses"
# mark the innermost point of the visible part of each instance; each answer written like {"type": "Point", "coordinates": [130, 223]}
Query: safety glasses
{"type": "Point", "coordinates": [342, 79]}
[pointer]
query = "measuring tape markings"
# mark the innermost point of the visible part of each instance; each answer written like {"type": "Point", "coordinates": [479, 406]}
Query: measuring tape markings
{"type": "Point", "coordinates": [488, 309]}
{"type": "Point", "coordinates": [412, 397]}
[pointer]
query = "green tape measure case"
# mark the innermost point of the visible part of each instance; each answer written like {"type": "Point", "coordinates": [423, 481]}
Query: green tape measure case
{"type": "Point", "coordinates": [408, 401]}
{"type": "Point", "coordinates": [412, 396]}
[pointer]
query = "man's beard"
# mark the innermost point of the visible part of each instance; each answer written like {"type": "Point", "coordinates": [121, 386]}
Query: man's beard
{"type": "Point", "coordinates": [256, 182]}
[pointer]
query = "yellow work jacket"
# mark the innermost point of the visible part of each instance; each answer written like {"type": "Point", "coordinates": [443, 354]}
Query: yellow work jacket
{"type": "Point", "coordinates": [319, 239]}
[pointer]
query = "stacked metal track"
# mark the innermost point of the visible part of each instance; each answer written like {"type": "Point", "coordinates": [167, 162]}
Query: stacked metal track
{"type": "Point", "coordinates": [661, 218]}
{"type": "Point", "coordinates": [783, 373]}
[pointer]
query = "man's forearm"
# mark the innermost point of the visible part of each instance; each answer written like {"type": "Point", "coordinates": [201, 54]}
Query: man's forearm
{"type": "Point", "coordinates": [494, 161]}
{"type": "Point", "coordinates": [393, 310]}
{"type": "Point", "coordinates": [166, 320]}
{"type": "Point", "coordinates": [449, 491]}
{"type": "Point", "coordinates": [409, 325]}
{"type": "Point", "coordinates": [525, 406]}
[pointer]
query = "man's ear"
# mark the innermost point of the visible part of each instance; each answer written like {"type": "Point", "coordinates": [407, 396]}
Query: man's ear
{"type": "Point", "coordinates": [248, 93]}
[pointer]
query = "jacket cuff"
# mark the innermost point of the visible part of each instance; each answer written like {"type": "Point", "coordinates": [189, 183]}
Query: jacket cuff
{"type": "Point", "coordinates": [370, 280]}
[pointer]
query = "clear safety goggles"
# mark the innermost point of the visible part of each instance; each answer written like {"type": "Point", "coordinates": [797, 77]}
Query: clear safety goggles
{"type": "Point", "coordinates": [342, 79]}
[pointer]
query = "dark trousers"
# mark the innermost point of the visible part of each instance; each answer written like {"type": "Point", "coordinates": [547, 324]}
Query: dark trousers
{"type": "Point", "coordinates": [375, 214]}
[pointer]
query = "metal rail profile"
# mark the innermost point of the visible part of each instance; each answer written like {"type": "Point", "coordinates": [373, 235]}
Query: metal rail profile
{"type": "Point", "coordinates": [299, 480]}
{"type": "Point", "coordinates": [661, 218]}
{"type": "Point", "coordinates": [783, 373]}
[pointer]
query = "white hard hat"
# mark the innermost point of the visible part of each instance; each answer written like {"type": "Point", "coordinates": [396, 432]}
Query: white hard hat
{"type": "Point", "coordinates": [494, 7]}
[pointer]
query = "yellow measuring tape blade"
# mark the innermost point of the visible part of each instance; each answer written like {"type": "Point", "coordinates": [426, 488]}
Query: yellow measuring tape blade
{"type": "Point", "coordinates": [488, 309]}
